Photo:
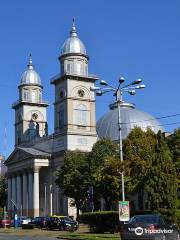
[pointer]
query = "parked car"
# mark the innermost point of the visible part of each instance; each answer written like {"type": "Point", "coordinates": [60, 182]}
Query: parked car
{"type": "Point", "coordinates": [151, 227]}
{"type": "Point", "coordinates": [5, 222]}
{"type": "Point", "coordinates": [70, 220]}
{"type": "Point", "coordinates": [60, 224]}
{"type": "Point", "coordinates": [22, 220]}
{"type": "Point", "coordinates": [40, 222]}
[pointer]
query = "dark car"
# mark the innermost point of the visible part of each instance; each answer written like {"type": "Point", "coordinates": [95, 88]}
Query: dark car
{"type": "Point", "coordinates": [69, 220]}
{"type": "Point", "coordinates": [148, 227]}
{"type": "Point", "coordinates": [59, 224]}
{"type": "Point", "coordinates": [40, 222]}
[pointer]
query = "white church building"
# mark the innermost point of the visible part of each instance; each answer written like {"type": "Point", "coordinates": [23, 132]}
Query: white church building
{"type": "Point", "coordinates": [37, 156]}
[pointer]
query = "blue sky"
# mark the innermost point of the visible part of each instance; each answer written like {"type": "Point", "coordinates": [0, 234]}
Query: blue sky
{"type": "Point", "coordinates": [122, 37]}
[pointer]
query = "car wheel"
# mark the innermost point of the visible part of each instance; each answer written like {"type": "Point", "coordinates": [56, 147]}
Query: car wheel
{"type": "Point", "coordinates": [48, 228]}
{"type": "Point", "coordinates": [61, 228]}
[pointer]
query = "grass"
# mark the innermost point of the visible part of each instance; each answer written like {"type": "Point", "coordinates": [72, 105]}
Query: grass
{"type": "Point", "coordinates": [81, 234]}
{"type": "Point", "coordinates": [88, 236]}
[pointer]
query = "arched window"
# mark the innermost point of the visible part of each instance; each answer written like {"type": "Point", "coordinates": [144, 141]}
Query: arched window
{"type": "Point", "coordinates": [80, 115]}
{"type": "Point", "coordinates": [33, 95]}
{"type": "Point", "coordinates": [40, 96]}
{"type": "Point", "coordinates": [78, 68]}
{"type": "Point", "coordinates": [26, 95]}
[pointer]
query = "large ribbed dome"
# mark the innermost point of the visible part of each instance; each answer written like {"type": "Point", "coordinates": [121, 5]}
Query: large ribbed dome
{"type": "Point", "coordinates": [107, 126]}
{"type": "Point", "coordinates": [30, 76]}
{"type": "Point", "coordinates": [73, 44]}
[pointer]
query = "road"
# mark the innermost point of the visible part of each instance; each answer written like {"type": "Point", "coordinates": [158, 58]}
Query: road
{"type": "Point", "coordinates": [36, 234]}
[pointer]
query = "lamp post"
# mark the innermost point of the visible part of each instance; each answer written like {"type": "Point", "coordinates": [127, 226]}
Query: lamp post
{"type": "Point", "coordinates": [117, 92]}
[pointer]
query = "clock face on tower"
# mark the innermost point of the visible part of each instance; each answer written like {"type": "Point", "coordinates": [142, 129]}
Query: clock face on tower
{"type": "Point", "coordinates": [81, 93]}
{"type": "Point", "coordinates": [34, 116]}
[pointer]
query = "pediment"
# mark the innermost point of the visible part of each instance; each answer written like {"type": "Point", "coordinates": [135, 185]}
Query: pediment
{"type": "Point", "coordinates": [17, 155]}
{"type": "Point", "coordinates": [22, 153]}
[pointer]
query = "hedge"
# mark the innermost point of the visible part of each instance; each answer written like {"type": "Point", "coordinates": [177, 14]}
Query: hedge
{"type": "Point", "coordinates": [108, 221]}
{"type": "Point", "coordinates": [99, 222]}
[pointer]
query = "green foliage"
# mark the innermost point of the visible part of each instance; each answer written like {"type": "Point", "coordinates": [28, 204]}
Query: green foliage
{"type": "Point", "coordinates": [3, 193]}
{"type": "Point", "coordinates": [88, 236]}
{"type": "Point", "coordinates": [138, 149]}
{"type": "Point", "coordinates": [161, 182]}
{"type": "Point", "coordinates": [108, 179]}
{"type": "Point", "coordinates": [105, 171]}
{"type": "Point", "coordinates": [73, 177]}
{"type": "Point", "coordinates": [174, 145]}
{"type": "Point", "coordinates": [148, 166]}
{"type": "Point", "coordinates": [99, 222]}
{"type": "Point", "coordinates": [102, 149]}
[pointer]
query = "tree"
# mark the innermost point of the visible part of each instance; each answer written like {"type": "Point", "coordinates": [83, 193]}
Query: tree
{"type": "Point", "coordinates": [101, 149]}
{"type": "Point", "coordinates": [3, 193]}
{"type": "Point", "coordinates": [161, 182]}
{"type": "Point", "coordinates": [73, 178]}
{"type": "Point", "coordinates": [107, 180]}
{"type": "Point", "coordinates": [174, 145]}
{"type": "Point", "coordinates": [138, 150]}
{"type": "Point", "coordinates": [99, 164]}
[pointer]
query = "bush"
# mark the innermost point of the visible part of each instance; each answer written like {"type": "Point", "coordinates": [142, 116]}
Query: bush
{"type": "Point", "coordinates": [108, 221]}
{"type": "Point", "coordinates": [100, 222]}
{"type": "Point", "coordinates": [28, 226]}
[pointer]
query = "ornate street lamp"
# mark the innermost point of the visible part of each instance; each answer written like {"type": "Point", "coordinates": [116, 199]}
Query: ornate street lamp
{"type": "Point", "coordinates": [117, 92]}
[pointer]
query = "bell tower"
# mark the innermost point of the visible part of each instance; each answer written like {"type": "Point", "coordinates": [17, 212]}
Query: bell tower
{"type": "Point", "coordinates": [30, 110]}
{"type": "Point", "coordinates": [74, 102]}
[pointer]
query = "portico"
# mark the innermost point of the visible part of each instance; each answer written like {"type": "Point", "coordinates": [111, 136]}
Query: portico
{"type": "Point", "coordinates": [24, 182]}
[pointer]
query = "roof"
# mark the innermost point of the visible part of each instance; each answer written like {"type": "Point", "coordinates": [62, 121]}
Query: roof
{"type": "Point", "coordinates": [73, 44]}
{"type": "Point", "coordinates": [30, 76]}
{"type": "Point", "coordinates": [34, 152]}
{"type": "Point", "coordinates": [107, 125]}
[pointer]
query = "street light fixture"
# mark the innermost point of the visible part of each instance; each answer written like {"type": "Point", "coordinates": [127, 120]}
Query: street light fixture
{"type": "Point", "coordinates": [117, 92]}
{"type": "Point", "coordinates": [139, 80]}
{"type": "Point", "coordinates": [102, 82]}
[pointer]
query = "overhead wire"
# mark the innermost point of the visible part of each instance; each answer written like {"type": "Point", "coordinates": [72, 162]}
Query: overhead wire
{"type": "Point", "coordinates": [153, 119]}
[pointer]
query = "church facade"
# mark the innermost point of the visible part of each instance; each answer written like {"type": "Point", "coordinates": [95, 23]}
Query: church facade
{"type": "Point", "coordinates": [37, 156]}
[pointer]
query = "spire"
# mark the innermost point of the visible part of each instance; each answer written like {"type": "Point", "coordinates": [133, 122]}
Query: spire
{"type": "Point", "coordinates": [73, 32]}
{"type": "Point", "coordinates": [30, 64]}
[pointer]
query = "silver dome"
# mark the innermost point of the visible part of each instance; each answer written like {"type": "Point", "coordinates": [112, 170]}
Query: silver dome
{"type": "Point", "coordinates": [73, 44]}
{"type": "Point", "coordinates": [107, 126]}
{"type": "Point", "coordinates": [30, 76]}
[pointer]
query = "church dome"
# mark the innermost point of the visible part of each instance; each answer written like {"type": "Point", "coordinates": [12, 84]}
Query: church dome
{"type": "Point", "coordinates": [30, 76]}
{"type": "Point", "coordinates": [73, 44]}
{"type": "Point", "coordinates": [107, 125]}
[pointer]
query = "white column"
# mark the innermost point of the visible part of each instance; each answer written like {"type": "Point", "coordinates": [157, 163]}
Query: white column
{"type": "Point", "coordinates": [25, 200]}
{"type": "Point", "coordinates": [36, 192]}
{"type": "Point", "coordinates": [30, 193]}
{"type": "Point", "coordinates": [9, 193]}
{"type": "Point", "coordinates": [56, 191]}
{"type": "Point", "coordinates": [13, 191]}
{"type": "Point", "coordinates": [51, 200]}
{"type": "Point", "coordinates": [19, 198]}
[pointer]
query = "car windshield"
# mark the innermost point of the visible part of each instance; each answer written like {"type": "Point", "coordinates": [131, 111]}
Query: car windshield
{"type": "Point", "coordinates": [145, 219]}
{"type": "Point", "coordinates": [66, 218]}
